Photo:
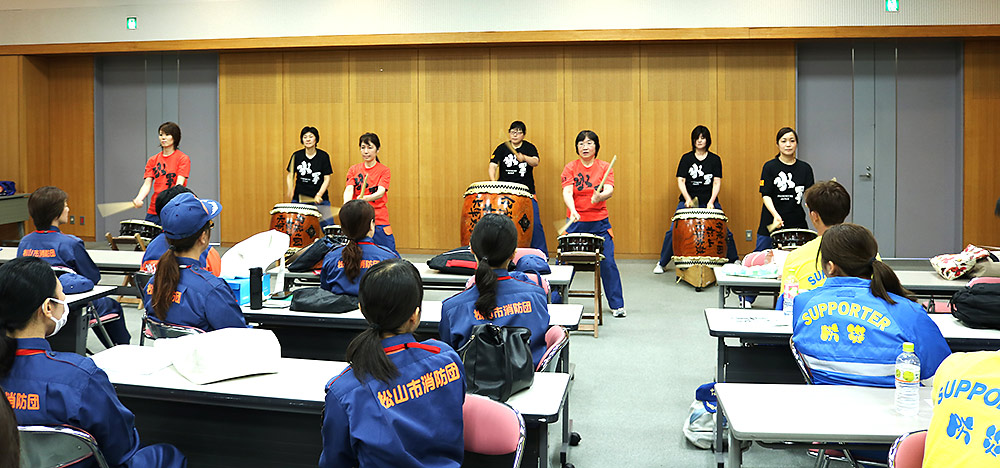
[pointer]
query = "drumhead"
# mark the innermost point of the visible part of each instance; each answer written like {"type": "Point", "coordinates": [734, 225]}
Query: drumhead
{"type": "Point", "coordinates": [699, 213]}
{"type": "Point", "coordinates": [578, 235]}
{"type": "Point", "coordinates": [297, 208]}
{"type": "Point", "coordinates": [498, 187]}
{"type": "Point", "coordinates": [785, 232]}
{"type": "Point", "coordinates": [141, 222]}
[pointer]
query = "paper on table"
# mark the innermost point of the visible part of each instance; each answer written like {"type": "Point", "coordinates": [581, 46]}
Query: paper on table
{"type": "Point", "coordinates": [136, 360]}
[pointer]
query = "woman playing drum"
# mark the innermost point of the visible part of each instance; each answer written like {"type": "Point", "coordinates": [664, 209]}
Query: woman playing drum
{"type": "Point", "coordinates": [369, 181]}
{"type": "Point", "coordinates": [783, 180]}
{"type": "Point", "coordinates": [699, 177]}
{"type": "Point", "coordinates": [309, 170]}
{"type": "Point", "coordinates": [587, 209]}
{"type": "Point", "coordinates": [167, 168]}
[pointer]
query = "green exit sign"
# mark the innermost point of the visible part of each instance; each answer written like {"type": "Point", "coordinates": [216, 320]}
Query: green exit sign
{"type": "Point", "coordinates": [131, 23]}
{"type": "Point", "coordinates": [892, 6]}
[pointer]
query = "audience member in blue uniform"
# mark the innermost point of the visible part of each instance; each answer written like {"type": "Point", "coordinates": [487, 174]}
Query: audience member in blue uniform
{"type": "Point", "coordinates": [343, 266]}
{"type": "Point", "coordinates": [49, 209]}
{"type": "Point", "coordinates": [850, 330]}
{"type": "Point", "coordinates": [52, 388]}
{"type": "Point", "coordinates": [501, 297]}
{"type": "Point", "coordinates": [210, 259]}
{"type": "Point", "coordinates": [182, 292]}
{"type": "Point", "coordinates": [400, 401]}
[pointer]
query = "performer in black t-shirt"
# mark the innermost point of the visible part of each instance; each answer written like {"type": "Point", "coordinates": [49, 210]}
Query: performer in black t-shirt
{"type": "Point", "coordinates": [516, 166]}
{"type": "Point", "coordinates": [782, 183]}
{"type": "Point", "coordinates": [699, 176]}
{"type": "Point", "coordinates": [309, 171]}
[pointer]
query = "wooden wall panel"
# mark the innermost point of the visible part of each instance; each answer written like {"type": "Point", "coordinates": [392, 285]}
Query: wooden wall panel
{"type": "Point", "coordinates": [982, 143]}
{"type": "Point", "coordinates": [251, 144]}
{"type": "Point", "coordinates": [454, 129]}
{"type": "Point", "coordinates": [602, 94]}
{"type": "Point", "coordinates": [383, 100]}
{"type": "Point", "coordinates": [34, 115]}
{"type": "Point", "coordinates": [756, 97]}
{"type": "Point", "coordinates": [11, 165]}
{"type": "Point", "coordinates": [679, 92]}
{"type": "Point", "coordinates": [527, 85]}
{"type": "Point", "coordinates": [315, 93]}
{"type": "Point", "coordinates": [70, 130]}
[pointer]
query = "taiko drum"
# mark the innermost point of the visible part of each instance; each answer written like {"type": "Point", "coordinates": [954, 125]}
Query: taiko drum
{"type": "Point", "coordinates": [300, 222]}
{"type": "Point", "coordinates": [507, 198]}
{"type": "Point", "coordinates": [699, 237]}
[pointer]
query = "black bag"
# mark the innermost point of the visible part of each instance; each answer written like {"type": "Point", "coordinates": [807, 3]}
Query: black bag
{"type": "Point", "coordinates": [317, 299]}
{"type": "Point", "coordinates": [311, 258]}
{"type": "Point", "coordinates": [497, 361]}
{"type": "Point", "coordinates": [978, 306]}
{"type": "Point", "coordinates": [458, 261]}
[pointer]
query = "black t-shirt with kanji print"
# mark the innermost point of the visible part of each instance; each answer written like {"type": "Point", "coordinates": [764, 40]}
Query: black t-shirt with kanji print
{"type": "Point", "coordinates": [309, 172]}
{"type": "Point", "coordinates": [785, 184]}
{"type": "Point", "coordinates": [513, 171]}
{"type": "Point", "coordinates": [699, 175]}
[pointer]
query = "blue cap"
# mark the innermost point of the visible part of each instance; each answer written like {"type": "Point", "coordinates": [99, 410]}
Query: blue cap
{"type": "Point", "coordinates": [186, 214]}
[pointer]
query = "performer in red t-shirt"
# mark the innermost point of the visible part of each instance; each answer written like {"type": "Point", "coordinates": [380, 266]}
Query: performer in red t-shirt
{"type": "Point", "coordinates": [369, 181]}
{"type": "Point", "coordinates": [167, 168]}
{"type": "Point", "coordinates": [587, 209]}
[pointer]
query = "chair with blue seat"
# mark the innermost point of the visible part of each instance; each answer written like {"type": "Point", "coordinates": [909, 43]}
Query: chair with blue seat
{"type": "Point", "coordinates": [494, 433]}
{"type": "Point", "coordinates": [57, 446]}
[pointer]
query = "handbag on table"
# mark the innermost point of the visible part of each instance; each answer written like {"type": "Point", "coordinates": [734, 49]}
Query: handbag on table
{"type": "Point", "coordinates": [497, 361]}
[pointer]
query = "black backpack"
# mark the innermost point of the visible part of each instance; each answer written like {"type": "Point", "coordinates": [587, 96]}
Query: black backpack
{"type": "Point", "coordinates": [978, 306]}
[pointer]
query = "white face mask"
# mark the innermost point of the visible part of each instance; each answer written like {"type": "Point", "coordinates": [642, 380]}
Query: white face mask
{"type": "Point", "coordinates": [61, 321]}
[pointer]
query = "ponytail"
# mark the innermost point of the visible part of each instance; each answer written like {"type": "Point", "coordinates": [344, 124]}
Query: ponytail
{"type": "Point", "coordinates": [168, 272]}
{"type": "Point", "coordinates": [486, 284]}
{"type": "Point", "coordinates": [356, 219]}
{"type": "Point", "coordinates": [885, 281]}
{"type": "Point", "coordinates": [389, 293]}
{"type": "Point", "coordinates": [25, 284]}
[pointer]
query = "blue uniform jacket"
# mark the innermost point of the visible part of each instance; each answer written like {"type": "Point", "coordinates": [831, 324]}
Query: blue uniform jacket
{"type": "Point", "coordinates": [59, 249]}
{"type": "Point", "coordinates": [158, 246]}
{"type": "Point", "coordinates": [847, 336]}
{"type": "Point", "coordinates": [333, 278]}
{"type": "Point", "coordinates": [51, 388]}
{"type": "Point", "coordinates": [202, 300]}
{"type": "Point", "coordinates": [414, 422]}
{"type": "Point", "coordinates": [520, 303]}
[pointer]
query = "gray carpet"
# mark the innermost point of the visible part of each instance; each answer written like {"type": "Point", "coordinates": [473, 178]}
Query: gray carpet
{"type": "Point", "coordinates": [635, 383]}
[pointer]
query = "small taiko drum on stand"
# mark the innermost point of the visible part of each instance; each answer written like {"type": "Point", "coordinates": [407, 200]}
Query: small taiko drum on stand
{"type": "Point", "coordinates": [791, 239]}
{"type": "Point", "coordinates": [507, 198]}
{"type": "Point", "coordinates": [145, 229]}
{"type": "Point", "coordinates": [300, 222]}
{"type": "Point", "coordinates": [580, 245]}
{"type": "Point", "coordinates": [699, 243]}
{"type": "Point", "coordinates": [336, 233]}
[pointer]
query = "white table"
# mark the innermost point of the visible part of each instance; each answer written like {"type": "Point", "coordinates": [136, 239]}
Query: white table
{"type": "Point", "coordinates": [108, 261]}
{"type": "Point", "coordinates": [814, 413]}
{"type": "Point", "coordinates": [560, 278]}
{"type": "Point", "coordinates": [921, 282]}
{"type": "Point", "coordinates": [266, 420]}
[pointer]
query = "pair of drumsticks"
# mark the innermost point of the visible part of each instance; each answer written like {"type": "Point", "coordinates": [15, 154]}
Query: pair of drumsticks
{"type": "Point", "coordinates": [600, 188]}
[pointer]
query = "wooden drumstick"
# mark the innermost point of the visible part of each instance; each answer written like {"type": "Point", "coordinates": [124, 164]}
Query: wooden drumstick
{"type": "Point", "coordinates": [562, 230]}
{"type": "Point", "coordinates": [364, 186]}
{"type": "Point", "coordinates": [600, 186]}
{"type": "Point", "coordinates": [108, 209]}
{"type": "Point", "coordinates": [510, 147]}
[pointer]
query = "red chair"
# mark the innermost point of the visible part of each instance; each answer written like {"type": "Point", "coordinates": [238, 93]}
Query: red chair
{"type": "Point", "coordinates": [493, 431]}
{"type": "Point", "coordinates": [556, 339]}
{"type": "Point", "coordinates": [908, 450]}
{"type": "Point", "coordinates": [983, 279]}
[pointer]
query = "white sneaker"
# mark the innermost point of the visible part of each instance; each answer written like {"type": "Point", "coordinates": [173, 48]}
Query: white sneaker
{"type": "Point", "coordinates": [618, 312]}
{"type": "Point", "coordinates": [658, 270]}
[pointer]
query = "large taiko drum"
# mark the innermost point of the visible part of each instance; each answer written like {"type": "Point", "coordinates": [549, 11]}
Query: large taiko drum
{"type": "Point", "coordinates": [507, 198]}
{"type": "Point", "coordinates": [699, 237]}
{"type": "Point", "coordinates": [300, 222]}
{"type": "Point", "coordinates": [791, 239]}
{"type": "Point", "coordinates": [145, 229]}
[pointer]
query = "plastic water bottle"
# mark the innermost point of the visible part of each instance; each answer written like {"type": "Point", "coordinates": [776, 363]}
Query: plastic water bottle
{"type": "Point", "coordinates": [907, 381]}
{"type": "Point", "coordinates": [791, 290]}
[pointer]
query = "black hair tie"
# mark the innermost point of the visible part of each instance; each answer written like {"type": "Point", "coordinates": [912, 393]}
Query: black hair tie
{"type": "Point", "coordinates": [871, 261]}
{"type": "Point", "coordinates": [374, 326]}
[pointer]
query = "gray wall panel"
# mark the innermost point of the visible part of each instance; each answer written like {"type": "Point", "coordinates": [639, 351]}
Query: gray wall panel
{"type": "Point", "coordinates": [197, 107]}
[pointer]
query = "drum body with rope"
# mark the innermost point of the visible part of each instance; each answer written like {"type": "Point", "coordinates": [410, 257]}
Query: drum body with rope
{"type": "Point", "coordinates": [507, 198]}
{"type": "Point", "coordinates": [699, 237]}
{"type": "Point", "coordinates": [578, 244]}
{"type": "Point", "coordinates": [300, 222]}
{"type": "Point", "coordinates": [336, 233]}
{"type": "Point", "coordinates": [791, 239]}
{"type": "Point", "coordinates": [145, 229]}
